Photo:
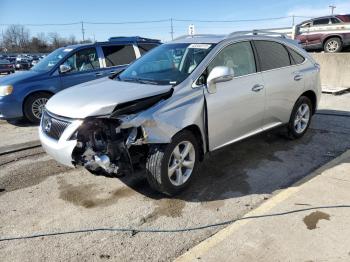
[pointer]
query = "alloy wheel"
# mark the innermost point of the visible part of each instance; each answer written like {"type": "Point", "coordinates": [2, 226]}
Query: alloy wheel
{"type": "Point", "coordinates": [38, 107]}
{"type": "Point", "coordinates": [332, 46]}
{"type": "Point", "coordinates": [181, 163]}
{"type": "Point", "coordinates": [302, 118]}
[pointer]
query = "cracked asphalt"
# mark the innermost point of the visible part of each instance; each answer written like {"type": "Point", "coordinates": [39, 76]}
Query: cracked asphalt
{"type": "Point", "coordinates": [39, 195]}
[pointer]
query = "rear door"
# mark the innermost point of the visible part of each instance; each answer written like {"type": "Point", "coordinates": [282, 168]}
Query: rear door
{"type": "Point", "coordinates": [117, 57]}
{"type": "Point", "coordinates": [319, 26]}
{"type": "Point", "coordinates": [236, 109]}
{"type": "Point", "coordinates": [283, 81]}
{"type": "Point", "coordinates": [85, 66]}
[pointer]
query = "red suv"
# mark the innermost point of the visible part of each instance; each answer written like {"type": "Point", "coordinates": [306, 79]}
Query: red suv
{"type": "Point", "coordinates": [330, 33]}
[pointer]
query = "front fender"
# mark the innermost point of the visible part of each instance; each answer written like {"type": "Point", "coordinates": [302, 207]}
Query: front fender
{"type": "Point", "coordinates": [162, 121]}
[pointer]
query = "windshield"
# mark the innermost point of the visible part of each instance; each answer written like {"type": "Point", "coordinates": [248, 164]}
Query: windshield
{"type": "Point", "coordinates": [51, 60]}
{"type": "Point", "coordinates": [166, 64]}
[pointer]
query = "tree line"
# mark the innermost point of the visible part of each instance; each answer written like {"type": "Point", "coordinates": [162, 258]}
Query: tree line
{"type": "Point", "coordinates": [17, 39]}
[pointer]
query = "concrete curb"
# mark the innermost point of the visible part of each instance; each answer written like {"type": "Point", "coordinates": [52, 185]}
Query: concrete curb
{"type": "Point", "coordinates": [220, 236]}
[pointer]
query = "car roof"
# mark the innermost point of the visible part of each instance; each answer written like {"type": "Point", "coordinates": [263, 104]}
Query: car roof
{"type": "Point", "coordinates": [239, 35]}
{"type": "Point", "coordinates": [118, 40]}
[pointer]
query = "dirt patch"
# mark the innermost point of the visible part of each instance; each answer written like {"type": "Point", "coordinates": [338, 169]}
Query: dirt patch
{"type": "Point", "coordinates": [90, 195]}
{"type": "Point", "coordinates": [312, 219]}
{"type": "Point", "coordinates": [165, 207]}
{"type": "Point", "coordinates": [29, 174]}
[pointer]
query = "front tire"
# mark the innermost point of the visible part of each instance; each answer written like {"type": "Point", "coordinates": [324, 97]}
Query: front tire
{"type": "Point", "coordinates": [34, 105]}
{"type": "Point", "coordinates": [300, 118]}
{"type": "Point", "coordinates": [170, 168]}
{"type": "Point", "coordinates": [333, 45]}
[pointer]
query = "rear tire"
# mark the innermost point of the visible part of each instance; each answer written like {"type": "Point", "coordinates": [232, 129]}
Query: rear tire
{"type": "Point", "coordinates": [333, 45]}
{"type": "Point", "coordinates": [300, 118]}
{"type": "Point", "coordinates": [34, 105]}
{"type": "Point", "coordinates": [169, 169]}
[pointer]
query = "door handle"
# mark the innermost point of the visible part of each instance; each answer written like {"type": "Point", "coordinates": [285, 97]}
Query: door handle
{"type": "Point", "coordinates": [257, 88]}
{"type": "Point", "coordinates": [99, 74]}
{"type": "Point", "coordinates": [298, 77]}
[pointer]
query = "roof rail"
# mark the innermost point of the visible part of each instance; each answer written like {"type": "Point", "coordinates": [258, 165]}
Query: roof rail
{"type": "Point", "coordinates": [197, 36]}
{"type": "Point", "coordinates": [257, 32]}
{"type": "Point", "coordinates": [131, 39]}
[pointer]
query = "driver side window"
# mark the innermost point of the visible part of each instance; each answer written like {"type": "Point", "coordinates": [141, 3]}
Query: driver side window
{"type": "Point", "coordinates": [238, 56]}
{"type": "Point", "coordinates": [83, 60]}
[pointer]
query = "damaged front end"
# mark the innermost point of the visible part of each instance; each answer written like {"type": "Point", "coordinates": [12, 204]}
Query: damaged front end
{"type": "Point", "coordinates": [104, 145]}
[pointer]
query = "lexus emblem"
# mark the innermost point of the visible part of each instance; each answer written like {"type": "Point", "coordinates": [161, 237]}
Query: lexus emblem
{"type": "Point", "coordinates": [47, 125]}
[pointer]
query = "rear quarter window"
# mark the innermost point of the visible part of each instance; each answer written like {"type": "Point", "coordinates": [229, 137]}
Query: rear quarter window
{"type": "Point", "coordinates": [144, 48]}
{"type": "Point", "coordinates": [118, 54]}
{"type": "Point", "coordinates": [296, 58]}
{"type": "Point", "coordinates": [272, 55]}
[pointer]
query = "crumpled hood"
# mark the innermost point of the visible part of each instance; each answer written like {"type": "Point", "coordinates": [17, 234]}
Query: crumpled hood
{"type": "Point", "coordinates": [99, 97]}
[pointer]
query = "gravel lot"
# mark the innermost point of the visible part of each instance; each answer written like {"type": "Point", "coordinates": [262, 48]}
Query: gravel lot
{"type": "Point", "coordinates": [39, 195]}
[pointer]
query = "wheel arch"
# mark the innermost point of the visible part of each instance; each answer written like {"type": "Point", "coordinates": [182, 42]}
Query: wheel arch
{"type": "Point", "coordinates": [33, 93]}
{"type": "Point", "coordinates": [313, 98]}
{"type": "Point", "coordinates": [195, 130]}
{"type": "Point", "coordinates": [332, 36]}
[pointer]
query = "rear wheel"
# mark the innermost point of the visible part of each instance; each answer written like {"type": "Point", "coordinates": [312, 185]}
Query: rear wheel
{"type": "Point", "coordinates": [300, 118]}
{"type": "Point", "coordinates": [171, 168]}
{"type": "Point", "coordinates": [333, 45]}
{"type": "Point", "coordinates": [34, 106]}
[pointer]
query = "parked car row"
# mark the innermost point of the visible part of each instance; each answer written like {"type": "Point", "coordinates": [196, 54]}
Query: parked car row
{"type": "Point", "coordinates": [22, 61]}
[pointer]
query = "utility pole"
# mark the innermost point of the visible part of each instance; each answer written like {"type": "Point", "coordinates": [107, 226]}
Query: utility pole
{"type": "Point", "coordinates": [171, 29]}
{"type": "Point", "coordinates": [332, 7]}
{"type": "Point", "coordinates": [83, 30]}
{"type": "Point", "coordinates": [293, 16]}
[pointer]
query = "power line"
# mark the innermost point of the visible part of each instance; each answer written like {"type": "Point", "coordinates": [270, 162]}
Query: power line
{"type": "Point", "coordinates": [128, 22]}
{"type": "Point", "coordinates": [65, 24]}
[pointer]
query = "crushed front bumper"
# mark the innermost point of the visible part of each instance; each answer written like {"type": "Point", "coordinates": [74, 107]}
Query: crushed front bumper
{"type": "Point", "coordinates": [61, 149]}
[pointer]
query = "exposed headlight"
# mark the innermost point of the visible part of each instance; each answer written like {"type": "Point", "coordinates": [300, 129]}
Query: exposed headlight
{"type": "Point", "coordinates": [6, 90]}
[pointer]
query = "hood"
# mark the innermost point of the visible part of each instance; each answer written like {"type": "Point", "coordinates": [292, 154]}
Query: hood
{"type": "Point", "coordinates": [99, 97]}
{"type": "Point", "coordinates": [18, 77]}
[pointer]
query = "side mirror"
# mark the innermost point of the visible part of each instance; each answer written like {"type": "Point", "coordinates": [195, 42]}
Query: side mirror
{"type": "Point", "coordinates": [65, 69]}
{"type": "Point", "coordinates": [217, 75]}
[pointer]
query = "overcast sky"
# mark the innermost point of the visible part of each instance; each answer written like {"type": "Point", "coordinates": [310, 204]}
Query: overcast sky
{"type": "Point", "coordinates": [73, 11]}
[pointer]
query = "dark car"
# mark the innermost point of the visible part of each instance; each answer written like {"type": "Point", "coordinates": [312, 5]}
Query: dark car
{"type": "Point", "coordinates": [329, 33]}
{"type": "Point", "coordinates": [22, 64]}
{"type": "Point", "coordinates": [6, 66]}
{"type": "Point", "coordinates": [25, 94]}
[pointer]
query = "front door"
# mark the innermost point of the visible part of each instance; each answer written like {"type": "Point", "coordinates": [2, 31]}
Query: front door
{"type": "Point", "coordinates": [85, 66]}
{"type": "Point", "coordinates": [236, 110]}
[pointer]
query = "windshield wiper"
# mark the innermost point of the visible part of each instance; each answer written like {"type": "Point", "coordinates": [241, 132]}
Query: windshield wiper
{"type": "Point", "coordinates": [140, 80]}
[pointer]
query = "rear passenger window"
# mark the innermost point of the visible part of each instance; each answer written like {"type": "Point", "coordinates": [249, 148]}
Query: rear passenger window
{"type": "Point", "coordinates": [118, 55]}
{"type": "Point", "coordinates": [144, 48]}
{"type": "Point", "coordinates": [296, 58]}
{"type": "Point", "coordinates": [322, 21]}
{"type": "Point", "coordinates": [335, 20]}
{"type": "Point", "coordinates": [237, 56]}
{"type": "Point", "coordinates": [272, 55]}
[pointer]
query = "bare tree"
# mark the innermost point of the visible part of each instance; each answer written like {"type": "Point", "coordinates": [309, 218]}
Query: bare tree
{"type": "Point", "coordinates": [16, 37]}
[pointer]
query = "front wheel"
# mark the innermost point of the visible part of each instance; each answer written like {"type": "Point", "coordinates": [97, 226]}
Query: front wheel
{"type": "Point", "coordinates": [171, 167]}
{"type": "Point", "coordinates": [34, 106]}
{"type": "Point", "coordinates": [300, 118]}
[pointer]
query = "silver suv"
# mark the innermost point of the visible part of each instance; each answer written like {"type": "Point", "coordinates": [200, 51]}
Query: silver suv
{"type": "Point", "coordinates": [180, 101]}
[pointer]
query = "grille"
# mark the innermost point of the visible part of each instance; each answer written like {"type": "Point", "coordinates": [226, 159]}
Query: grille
{"type": "Point", "coordinates": [53, 126]}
